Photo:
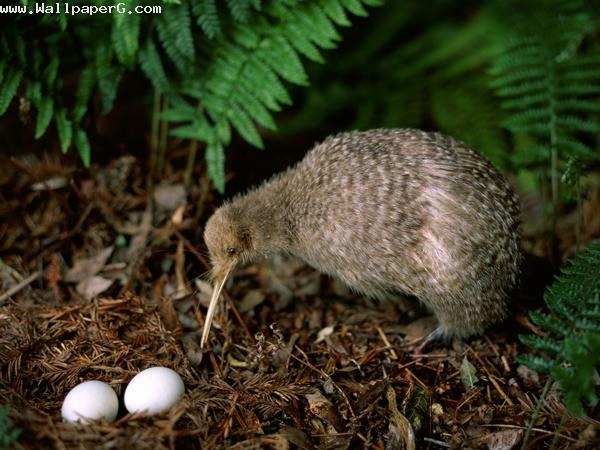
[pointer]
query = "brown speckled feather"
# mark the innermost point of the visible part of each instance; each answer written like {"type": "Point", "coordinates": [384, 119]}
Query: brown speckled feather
{"type": "Point", "coordinates": [388, 211]}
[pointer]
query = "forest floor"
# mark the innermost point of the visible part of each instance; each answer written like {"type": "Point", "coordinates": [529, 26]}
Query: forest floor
{"type": "Point", "coordinates": [99, 280]}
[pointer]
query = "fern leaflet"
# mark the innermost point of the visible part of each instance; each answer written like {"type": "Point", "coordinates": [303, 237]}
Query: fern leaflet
{"type": "Point", "coordinates": [572, 347]}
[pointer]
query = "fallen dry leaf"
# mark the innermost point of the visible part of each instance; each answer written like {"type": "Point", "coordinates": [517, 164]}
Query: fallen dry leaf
{"type": "Point", "coordinates": [93, 286]}
{"type": "Point", "coordinates": [400, 432]}
{"type": "Point", "coordinates": [419, 328]}
{"type": "Point", "coordinates": [468, 374]}
{"type": "Point", "coordinates": [322, 408]}
{"type": "Point", "coordinates": [252, 299]}
{"type": "Point", "coordinates": [182, 284]}
{"type": "Point", "coordinates": [169, 197]}
{"type": "Point", "coordinates": [87, 267]}
{"type": "Point", "coordinates": [50, 184]}
{"type": "Point", "coordinates": [296, 437]}
{"type": "Point", "coordinates": [502, 440]}
{"type": "Point", "coordinates": [323, 333]}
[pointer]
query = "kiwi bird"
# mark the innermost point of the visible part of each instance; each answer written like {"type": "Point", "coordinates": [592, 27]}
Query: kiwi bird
{"type": "Point", "coordinates": [388, 212]}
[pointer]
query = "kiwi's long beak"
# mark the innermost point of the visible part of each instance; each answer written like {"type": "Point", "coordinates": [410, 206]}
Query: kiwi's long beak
{"type": "Point", "coordinates": [212, 306]}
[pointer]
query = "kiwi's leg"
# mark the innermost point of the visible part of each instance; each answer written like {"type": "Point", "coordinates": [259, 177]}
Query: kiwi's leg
{"type": "Point", "coordinates": [439, 335]}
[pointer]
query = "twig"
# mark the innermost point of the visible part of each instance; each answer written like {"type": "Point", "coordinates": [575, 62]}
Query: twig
{"type": "Point", "coordinates": [192, 249]}
{"type": "Point", "coordinates": [518, 427]}
{"type": "Point", "coordinates": [324, 374]}
{"type": "Point", "coordinates": [387, 343]}
{"type": "Point", "coordinates": [163, 140]}
{"type": "Point", "coordinates": [436, 442]}
{"type": "Point", "coordinates": [189, 166]}
{"type": "Point", "coordinates": [418, 381]}
{"type": "Point", "coordinates": [15, 273]}
{"type": "Point", "coordinates": [17, 287]}
{"type": "Point", "coordinates": [557, 433]}
{"type": "Point", "coordinates": [536, 413]}
{"type": "Point", "coordinates": [237, 315]}
{"type": "Point", "coordinates": [484, 364]}
{"type": "Point", "coordinates": [500, 391]}
{"type": "Point", "coordinates": [491, 377]}
{"type": "Point", "coordinates": [68, 233]}
{"type": "Point", "coordinates": [154, 139]}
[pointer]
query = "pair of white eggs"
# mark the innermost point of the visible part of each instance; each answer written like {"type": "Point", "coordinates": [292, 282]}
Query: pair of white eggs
{"type": "Point", "coordinates": [152, 391]}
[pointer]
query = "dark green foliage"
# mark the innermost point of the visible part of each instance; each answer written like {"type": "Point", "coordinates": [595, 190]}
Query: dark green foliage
{"type": "Point", "coordinates": [8, 89]}
{"type": "Point", "coordinates": [125, 38]}
{"type": "Point", "coordinates": [219, 64]}
{"type": "Point", "coordinates": [572, 347]}
{"type": "Point", "coordinates": [550, 85]}
{"type": "Point", "coordinates": [418, 66]}
{"type": "Point", "coordinates": [241, 84]}
{"type": "Point", "coordinates": [8, 432]}
{"type": "Point", "coordinates": [453, 67]}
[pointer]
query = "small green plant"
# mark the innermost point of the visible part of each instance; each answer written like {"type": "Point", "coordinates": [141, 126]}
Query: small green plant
{"type": "Point", "coordinates": [8, 432]}
{"type": "Point", "coordinates": [217, 65]}
{"type": "Point", "coordinates": [571, 346]}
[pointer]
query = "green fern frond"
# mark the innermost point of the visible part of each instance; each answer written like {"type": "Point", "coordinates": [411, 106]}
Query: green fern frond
{"type": "Point", "coordinates": [223, 130]}
{"type": "Point", "coordinates": [272, 92]}
{"type": "Point", "coordinates": [573, 327]}
{"type": "Point", "coordinates": [180, 113]}
{"type": "Point", "coordinates": [355, 7]}
{"type": "Point", "coordinates": [107, 74]}
{"type": "Point", "coordinates": [198, 130]}
{"type": "Point", "coordinates": [33, 92]}
{"type": "Point", "coordinates": [64, 128]}
{"type": "Point", "coordinates": [277, 53]}
{"type": "Point", "coordinates": [175, 34]}
{"type": "Point", "coordinates": [577, 381]}
{"type": "Point", "coordinates": [255, 109]}
{"type": "Point", "coordinates": [243, 83]}
{"type": "Point", "coordinates": [324, 32]}
{"type": "Point", "coordinates": [87, 83]}
{"type": "Point", "coordinates": [19, 48]}
{"type": "Point", "coordinates": [578, 105]}
{"type": "Point", "coordinates": [125, 38]}
{"type": "Point", "coordinates": [50, 72]}
{"type": "Point", "coordinates": [82, 144]}
{"type": "Point", "coordinates": [536, 363]}
{"type": "Point", "coordinates": [44, 116]}
{"type": "Point", "coordinates": [151, 64]}
{"type": "Point", "coordinates": [574, 123]}
{"type": "Point", "coordinates": [9, 87]}
{"type": "Point", "coordinates": [215, 164]}
{"type": "Point", "coordinates": [335, 11]}
{"type": "Point", "coordinates": [542, 344]}
{"type": "Point", "coordinates": [109, 80]}
{"type": "Point", "coordinates": [302, 42]}
{"type": "Point", "coordinates": [207, 17]}
{"type": "Point", "coordinates": [243, 123]}
{"type": "Point", "coordinates": [548, 86]}
{"type": "Point", "coordinates": [240, 9]}
{"type": "Point", "coordinates": [222, 66]}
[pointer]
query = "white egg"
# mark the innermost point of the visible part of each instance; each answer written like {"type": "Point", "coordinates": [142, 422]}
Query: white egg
{"type": "Point", "coordinates": [153, 390]}
{"type": "Point", "coordinates": [89, 401]}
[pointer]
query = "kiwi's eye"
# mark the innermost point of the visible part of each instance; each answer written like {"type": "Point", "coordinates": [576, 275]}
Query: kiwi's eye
{"type": "Point", "coordinates": [231, 251]}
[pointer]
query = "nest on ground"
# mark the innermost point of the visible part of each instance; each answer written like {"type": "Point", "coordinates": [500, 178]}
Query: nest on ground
{"type": "Point", "coordinates": [46, 351]}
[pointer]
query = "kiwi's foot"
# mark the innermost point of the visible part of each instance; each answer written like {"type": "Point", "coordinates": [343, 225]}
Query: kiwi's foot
{"type": "Point", "coordinates": [437, 336]}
